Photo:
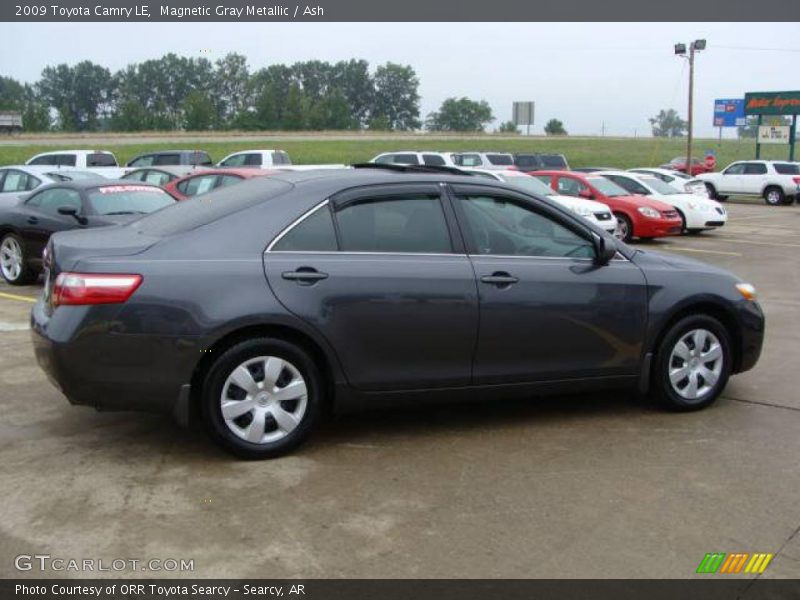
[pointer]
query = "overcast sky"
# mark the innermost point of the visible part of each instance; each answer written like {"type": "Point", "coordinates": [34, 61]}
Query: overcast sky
{"type": "Point", "coordinates": [585, 74]}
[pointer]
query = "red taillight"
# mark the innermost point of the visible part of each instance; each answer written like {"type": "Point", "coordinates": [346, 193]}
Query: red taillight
{"type": "Point", "coordinates": [93, 288]}
{"type": "Point", "coordinates": [796, 180]}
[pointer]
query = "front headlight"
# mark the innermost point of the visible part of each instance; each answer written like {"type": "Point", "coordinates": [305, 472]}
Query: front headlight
{"type": "Point", "coordinates": [649, 212]}
{"type": "Point", "coordinates": [582, 211]}
{"type": "Point", "coordinates": [747, 290]}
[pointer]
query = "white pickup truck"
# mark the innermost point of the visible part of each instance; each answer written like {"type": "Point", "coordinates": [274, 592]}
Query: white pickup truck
{"type": "Point", "coordinates": [96, 161]}
{"type": "Point", "coordinates": [778, 182]}
{"type": "Point", "coordinates": [262, 159]}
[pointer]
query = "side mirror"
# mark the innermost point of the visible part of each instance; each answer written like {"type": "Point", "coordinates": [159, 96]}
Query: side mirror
{"type": "Point", "coordinates": [584, 193]}
{"type": "Point", "coordinates": [71, 211]}
{"type": "Point", "coordinates": [605, 249]}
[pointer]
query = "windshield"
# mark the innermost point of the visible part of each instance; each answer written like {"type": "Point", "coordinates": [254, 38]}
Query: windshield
{"type": "Point", "coordinates": [128, 199]}
{"type": "Point", "coordinates": [529, 184]}
{"type": "Point", "coordinates": [606, 187]}
{"type": "Point", "coordinates": [659, 186]}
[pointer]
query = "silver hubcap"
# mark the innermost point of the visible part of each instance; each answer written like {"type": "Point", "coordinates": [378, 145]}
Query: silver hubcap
{"type": "Point", "coordinates": [773, 197]}
{"type": "Point", "coordinates": [695, 364]}
{"type": "Point", "coordinates": [264, 399]}
{"type": "Point", "coordinates": [622, 229]}
{"type": "Point", "coordinates": [10, 259]}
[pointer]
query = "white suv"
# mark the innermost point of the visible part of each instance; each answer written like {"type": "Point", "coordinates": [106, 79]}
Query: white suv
{"type": "Point", "coordinates": [414, 157]}
{"type": "Point", "coordinates": [778, 182]}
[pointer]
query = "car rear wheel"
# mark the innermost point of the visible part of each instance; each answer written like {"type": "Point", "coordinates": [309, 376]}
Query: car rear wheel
{"type": "Point", "coordinates": [261, 398]}
{"type": "Point", "coordinates": [624, 230]}
{"type": "Point", "coordinates": [693, 363]}
{"type": "Point", "coordinates": [774, 196]}
{"type": "Point", "coordinates": [13, 262]}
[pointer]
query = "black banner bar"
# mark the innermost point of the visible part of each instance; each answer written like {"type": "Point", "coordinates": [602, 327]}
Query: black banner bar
{"type": "Point", "coordinates": [404, 589]}
{"type": "Point", "coordinates": [407, 10]}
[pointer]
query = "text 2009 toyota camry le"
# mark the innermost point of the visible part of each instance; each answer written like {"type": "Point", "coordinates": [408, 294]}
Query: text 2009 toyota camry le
{"type": "Point", "coordinates": [255, 306]}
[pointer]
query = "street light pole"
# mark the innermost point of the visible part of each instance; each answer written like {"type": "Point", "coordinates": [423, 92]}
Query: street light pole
{"type": "Point", "coordinates": [690, 111]}
{"type": "Point", "coordinates": [680, 50]}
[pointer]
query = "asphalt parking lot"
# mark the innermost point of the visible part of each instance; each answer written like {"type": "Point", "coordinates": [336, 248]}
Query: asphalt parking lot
{"type": "Point", "coordinates": [587, 486]}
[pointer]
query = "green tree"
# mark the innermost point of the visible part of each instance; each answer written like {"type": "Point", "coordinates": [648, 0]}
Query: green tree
{"type": "Point", "coordinates": [199, 112]}
{"type": "Point", "coordinates": [667, 123]}
{"type": "Point", "coordinates": [81, 94]}
{"type": "Point", "coordinates": [460, 114]}
{"type": "Point", "coordinates": [396, 99]}
{"type": "Point", "coordinates": [332, 112]}
{"type": "Point", "coordinates": [296, 110]}
{"type": "Point", "coordinates": [555, 127]}
{"type": "Point", "coordinates": [508, 127]}
{"type": "Point", "coordinates": [231, 87]}
{"type": "Point", "coordinates": [353, 79]}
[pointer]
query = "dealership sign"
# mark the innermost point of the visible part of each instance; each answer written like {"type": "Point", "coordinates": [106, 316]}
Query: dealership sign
{"type": "Point", "coordinates": [772, 103]}
{"type": "Point", "coordinates": [523, 113]}
{"type": "Point", "coordinates": [774, 134]}
{"type": "Point", "coordinates": [729, 113]}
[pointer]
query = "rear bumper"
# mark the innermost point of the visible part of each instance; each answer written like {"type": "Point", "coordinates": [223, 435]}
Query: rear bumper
{"type": "Point", "coordinates": [93, 366]}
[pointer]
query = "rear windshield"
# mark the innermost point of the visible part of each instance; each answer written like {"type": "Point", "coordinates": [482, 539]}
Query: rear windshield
{"type": "Point", "coordinates": [526, 160]}
{"type": "Point", "coordinates": [101, 159]}
{"type": "Point", "coordinates": [787, 169]}
{"type": "Point", "coordinates": [196, 212]}
{"type": "Point", "coordinates": [128, 199]}
{"type": "Point", "coordinates": [500, 159]}
{"type": "Point", "coordinates": [200, 158]}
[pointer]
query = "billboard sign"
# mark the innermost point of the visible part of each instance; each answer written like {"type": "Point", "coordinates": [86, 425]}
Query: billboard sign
{"type": "Point", "coordinates": [729, 113]}
{"type": "Point", "coordinates": [774, 134]}
{"type": "Point", "coordinates": [523, 113]}
{"type": "Point", "coordinates": [772, 103]}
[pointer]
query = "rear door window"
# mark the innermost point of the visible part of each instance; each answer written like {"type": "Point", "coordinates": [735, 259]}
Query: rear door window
{"type": "Point", "coordinates": [198, 185]}
{"type": "Point", "coordinates": [17, 181]}
{"type": "Point", "coordinates": [98, 159]}
{"type": "Point", "coordinates": [226, 180]}
{"type": "Point", "coordinates": [280, 158]}
{"type": "Point", "coordinates": [397, 224]}
{"type": "Point", "coordinates": [468, 160]}
{"type": "Point", "coordinates": [433, 160]}
{"type": "Point", "coordinates": [755, 169]}
{"type": "Point", "coordinates": [167, 159]}
{"type": "Point", "coordinates": [629, 185]}
{"type": "Point", "coordinates": [157, 177]}
{"type": "Point", "coordinates": [142, 161]}
{"type": "Point", "coordinates": [315, 233]}
{"type": "Point", "coordinates": [500, 160]}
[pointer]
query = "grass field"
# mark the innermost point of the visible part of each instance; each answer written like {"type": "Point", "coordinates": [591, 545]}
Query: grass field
{"type": "Point", "coordinates": [580, 151]}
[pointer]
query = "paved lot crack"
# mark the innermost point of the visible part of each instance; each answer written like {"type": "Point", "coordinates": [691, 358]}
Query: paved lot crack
{"type": "Point", "coordinates": [794, 408]}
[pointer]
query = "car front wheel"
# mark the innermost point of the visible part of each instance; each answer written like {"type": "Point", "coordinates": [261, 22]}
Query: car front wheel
{"type": "Point", "coordinates": [13, 262]}
{"type": "Point", "coordinates": [624, 230]}
{"type": "Point", "coordinates": [262, 398]}
{"type": "Point", "coordinates": [693, 363]}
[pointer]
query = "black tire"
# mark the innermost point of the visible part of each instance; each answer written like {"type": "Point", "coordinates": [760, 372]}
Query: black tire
{"type": "Point", "coordinates": [624, 222]}
{"type": "Point", "coordinates": [227, 363]}
{"type": "Point", "coordinates": [695, 231]}
{"type": "Point", "coordinates": [774, 196]}
{"type": "Point", "coordinates": [789, 200]}
{"type": "Point", "coordinates": [26, 275]}
{"type": "Point", "coordinates": [662, 389]}
{"type": "Point", "coordinates": [683, 220]}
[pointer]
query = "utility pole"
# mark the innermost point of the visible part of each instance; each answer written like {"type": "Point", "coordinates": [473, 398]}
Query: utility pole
{"type": "Point", "coordinates": [680, 50]}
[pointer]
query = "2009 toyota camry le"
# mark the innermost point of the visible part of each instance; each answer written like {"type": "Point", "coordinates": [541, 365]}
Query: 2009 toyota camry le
{"type": "Point", "coordinates": [258, 306]}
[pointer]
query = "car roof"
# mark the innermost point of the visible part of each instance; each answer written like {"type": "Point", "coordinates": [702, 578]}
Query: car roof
{"type": "Point", "coordinates": [151, 152]}
{"type": "Point", "coordinates": [73, 152]}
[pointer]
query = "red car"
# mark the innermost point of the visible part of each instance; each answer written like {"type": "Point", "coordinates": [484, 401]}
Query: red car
{"type": "Point", "coordinates": [698, 166]}
{"type": "Point", "coordinates": [637, 216]}
{"type": "Point", "coordinates": [206, 180]}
